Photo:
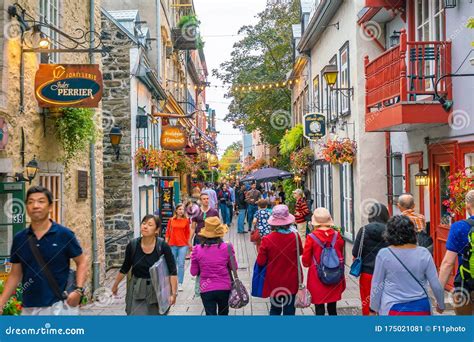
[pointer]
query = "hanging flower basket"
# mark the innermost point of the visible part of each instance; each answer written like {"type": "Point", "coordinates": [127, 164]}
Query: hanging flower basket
{"type": "Point", "coordinates": [459, 184]}
{"type": "Point", "coordinates": [339, 151]}
{"type": "Point", "coordinates": [302, 160]}
{"type": "Point", "coordinates": [13, 307]}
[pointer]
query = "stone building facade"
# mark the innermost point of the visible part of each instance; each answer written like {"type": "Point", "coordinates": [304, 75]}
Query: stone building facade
{"type": "Point", "coordinates": [132, 89]}
{"type": "Point", "coordinates": [31, 131]}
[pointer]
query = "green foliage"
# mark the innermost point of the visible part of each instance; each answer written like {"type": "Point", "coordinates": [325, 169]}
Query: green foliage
{"type": "Point", "coordinates": [188, 20]}
{"type": "Point", "coordinates": [292, 140]}
{"type": "Point", "coordinates": [470, 23]}
{"type": "Point", "coordinates": [263, 55]}
{"type": "Point", "coordinates": [75, 130]}
{"type": "Point", "coordinates": [230, 160]}
{"type": "Point", "coordinates": [289, 186]}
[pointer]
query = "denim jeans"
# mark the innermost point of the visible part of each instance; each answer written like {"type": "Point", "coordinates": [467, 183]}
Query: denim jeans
{"type": "Point", "coordinates": [241, 221]}
{"type": "Point", "coordinates": [179, 253]}
{"type": "Point", "coordinates": [251, 210]}
{"type": "Point", "coordinates": [224, 213]}
{"type": "Point", "coordinates": [283, 304]}
{"type": "Point", "coordinates": [231, 213]}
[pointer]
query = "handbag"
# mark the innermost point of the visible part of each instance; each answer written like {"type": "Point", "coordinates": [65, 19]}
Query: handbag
{"type": "Point", "coordinates": [239, 296]}
{"type": "Point", "coordinates": [71, 281]}
{"type": "Point", "coordinates": [255, 235]}
{"type": "Point", "coordinates": [356, 267]}
{"type": "Point", "coordinates": [303, 296]}
{"type": "Point", "coordinates": [258, 280]}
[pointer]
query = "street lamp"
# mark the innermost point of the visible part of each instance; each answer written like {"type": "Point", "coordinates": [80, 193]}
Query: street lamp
{"type": "Point", "coordinates": [395, 38]}
{"type": "Point", "coordinates": [330, 75]}
{"type": "Point", "coordinates": [31, 170]}
{"type": "Point", "coordinates": [115, 139]}
{"type": "Point", "coordinates": [422, 178]}
{"type": "Point", "coordinates": [449, 3]}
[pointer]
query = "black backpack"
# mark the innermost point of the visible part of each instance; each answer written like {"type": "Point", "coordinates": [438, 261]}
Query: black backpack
{"type": "Point", "coordinates": [158, 247]}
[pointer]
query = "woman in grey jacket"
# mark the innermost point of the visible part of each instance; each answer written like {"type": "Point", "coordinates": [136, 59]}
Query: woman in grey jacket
{"type": "Point", "coordinates": [402, 272]}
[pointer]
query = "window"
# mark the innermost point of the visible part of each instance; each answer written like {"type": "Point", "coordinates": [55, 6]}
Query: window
{"type": "Point", "coordinates": [347, 199]}
{"type": "Point", "coordinates": [429, 16]}
{"type": "Point", "coordinates": [323, 185]}
{"type": "Point", "coordinates": [413, 165]}
{"type": "Point", "coordinates": [397, 175]}
{"type": "Point", "coordinates": [53, 184]}
{"type": "Point", "coordinates": [305, 102]}
{"type": "Point", "coordinates": [344, 79]}
{"type": "Point", "coordinates": [333, 96]}
{"type": "Point", "coordinates": [316, 103]}
{"type": "Point", "coordinates": [147, 200]}
{"type": "Point", "coordinates": [324, 97]}
{"type": "Point", "coordinates": [49, 13]}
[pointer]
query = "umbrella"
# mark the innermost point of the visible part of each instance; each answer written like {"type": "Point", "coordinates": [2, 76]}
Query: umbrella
{"type": "Point", "coordinates": [268, 174]}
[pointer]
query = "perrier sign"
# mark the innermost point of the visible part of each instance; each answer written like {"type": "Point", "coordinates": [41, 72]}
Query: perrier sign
{"type": "Point", "coordinates": [68, 85]}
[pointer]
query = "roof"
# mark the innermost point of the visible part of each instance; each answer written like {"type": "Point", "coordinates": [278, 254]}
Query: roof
{"type": "Point", "coordinates": [125, 15]}
{"type": "Point", "coordinates": [110, 17]}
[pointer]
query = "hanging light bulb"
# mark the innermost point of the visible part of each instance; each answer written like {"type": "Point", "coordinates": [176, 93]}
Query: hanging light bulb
{"type": "Point", "coordinates": [291, 82]}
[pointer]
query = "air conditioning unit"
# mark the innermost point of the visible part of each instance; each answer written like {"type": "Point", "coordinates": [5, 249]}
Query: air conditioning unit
{"type": "Point", "coordinates": [169, 51]}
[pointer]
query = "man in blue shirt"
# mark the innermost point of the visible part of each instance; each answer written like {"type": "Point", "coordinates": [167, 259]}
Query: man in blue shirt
{"type": "Point", "coordinates": [57, 246]}
{"type": "Point", "coordinates": [455, 245]}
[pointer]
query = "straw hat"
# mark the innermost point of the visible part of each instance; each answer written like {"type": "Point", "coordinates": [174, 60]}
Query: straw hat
{"type": "Point", "coordinates": [322, 218]}
{"type": "Point", "coordinates": [213, 228]}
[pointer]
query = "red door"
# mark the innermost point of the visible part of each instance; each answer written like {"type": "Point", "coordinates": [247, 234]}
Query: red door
{"type": "Point", "coordinates": [442, 163]}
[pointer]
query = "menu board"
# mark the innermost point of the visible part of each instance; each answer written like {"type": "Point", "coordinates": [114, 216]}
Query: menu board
{"type": "Point", "coordinates": [166, 207]}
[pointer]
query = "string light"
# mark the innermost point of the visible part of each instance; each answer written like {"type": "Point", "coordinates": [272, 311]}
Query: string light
{"type": "Point", "coordinates": [237, 87]}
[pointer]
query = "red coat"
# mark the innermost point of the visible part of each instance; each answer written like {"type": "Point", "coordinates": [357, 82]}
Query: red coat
{"type": "Point", "coordinates": [278, 252]}
{"type": "Point", "coordinates": [322, 293]}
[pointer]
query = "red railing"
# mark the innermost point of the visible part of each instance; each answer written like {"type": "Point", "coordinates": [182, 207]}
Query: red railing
{"type": "Point", "coordinates": [408, 72]}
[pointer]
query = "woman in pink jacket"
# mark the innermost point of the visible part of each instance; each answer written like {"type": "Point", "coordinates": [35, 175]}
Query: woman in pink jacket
{"type": "Point", "coordinates": [211, 261]}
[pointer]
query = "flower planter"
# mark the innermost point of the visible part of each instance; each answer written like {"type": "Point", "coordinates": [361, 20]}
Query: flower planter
{"type": "Point", "coordinates": [185, 38]}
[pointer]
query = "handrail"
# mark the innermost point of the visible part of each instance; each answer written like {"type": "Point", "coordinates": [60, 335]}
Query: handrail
{"type": "Point", "coordinates": [112, 240]}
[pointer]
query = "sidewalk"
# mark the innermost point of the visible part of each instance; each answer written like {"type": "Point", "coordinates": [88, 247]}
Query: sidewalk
{"type": "Point", "coordinates": [188, 304]}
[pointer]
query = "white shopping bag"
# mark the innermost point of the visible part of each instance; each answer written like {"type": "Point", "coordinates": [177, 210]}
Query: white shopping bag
{"type": "Point", "coordinates": [160, 279]}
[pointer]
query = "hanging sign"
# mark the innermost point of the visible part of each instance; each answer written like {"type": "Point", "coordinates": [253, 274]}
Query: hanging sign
{"type": "Point", "coordinates": [314, 126]}
{"type": "Point", "coordinates": [166, 207]}
{"type": "Point", "coordinates": [173, 138]}
{"type": "Point", "coordinates": [68, 85]}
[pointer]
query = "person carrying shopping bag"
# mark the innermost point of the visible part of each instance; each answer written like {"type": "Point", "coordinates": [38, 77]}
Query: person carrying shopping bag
{"type": "Point", "coordinates": [211, 261]}
{"type": "Point", "coordinates": [323, 255]}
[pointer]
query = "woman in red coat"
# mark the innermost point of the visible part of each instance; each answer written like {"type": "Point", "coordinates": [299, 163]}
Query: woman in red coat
{"type": "Point", "coordinates": [322, 294]}
{"type": "Point", "coordinates": [278, 252]}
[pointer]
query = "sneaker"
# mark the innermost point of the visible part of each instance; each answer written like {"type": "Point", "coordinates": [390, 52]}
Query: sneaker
{"type": "Point", "coordinates": [180, 288]}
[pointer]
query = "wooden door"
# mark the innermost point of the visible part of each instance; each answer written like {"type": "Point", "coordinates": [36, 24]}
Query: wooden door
{"type": "Point", "coordinates": [442, 164]}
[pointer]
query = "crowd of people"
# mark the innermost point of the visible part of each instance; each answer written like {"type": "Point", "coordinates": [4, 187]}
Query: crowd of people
{"type": "Point", "coordinates": [394, 270]}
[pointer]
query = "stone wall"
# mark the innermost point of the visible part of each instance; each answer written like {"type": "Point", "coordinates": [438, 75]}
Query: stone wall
{"type": "Point", "coordinates": [40, 138]}
{"type": "Point", "coordinates": [117, 173]}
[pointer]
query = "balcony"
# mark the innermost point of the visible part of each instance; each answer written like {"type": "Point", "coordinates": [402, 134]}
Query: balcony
{"type": "Point", "coordinates": [400, 85]}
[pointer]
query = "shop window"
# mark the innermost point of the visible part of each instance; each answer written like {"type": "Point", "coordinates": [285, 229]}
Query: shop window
{"type": "Point", "coordinates": [53, 184]}
{"type": "Point", "coordinates": [333, 96]}
{"type": "Point", "coordinates": [413, 165]}
{"type": "Point", "coordinates": [316, 103]}
{"type": "Point", "coordinates": [147, 200]}
{"type": "Point", "coordinates": [397, 175]}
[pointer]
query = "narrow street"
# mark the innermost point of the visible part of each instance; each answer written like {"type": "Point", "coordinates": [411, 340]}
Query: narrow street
{"type": "Point", "coordinates": [188, 304]}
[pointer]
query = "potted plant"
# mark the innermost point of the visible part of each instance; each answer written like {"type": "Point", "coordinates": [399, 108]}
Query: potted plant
{"type": "Point", "coordinates": [339, 151]}
{"type": "Point", "coordinates": [459, 184]}
{"type": "Point", "coordinates": [13, 307]}
{"type": "Point", "coordinates": [75, 130]}
{"type": "Point", "coordinates": [302, 160]}
{"type": "Point", "coordinates": [186, 36]}
{"type": "Point", "coordinates": [141, 160]}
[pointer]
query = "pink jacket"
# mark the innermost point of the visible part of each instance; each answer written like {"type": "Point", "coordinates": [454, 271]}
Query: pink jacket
{"type": "Point", "coordinates": [212, 263]}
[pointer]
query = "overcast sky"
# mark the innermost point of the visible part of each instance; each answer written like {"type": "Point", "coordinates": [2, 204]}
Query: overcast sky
{"type": "Point", "coordinates": [220, 21]}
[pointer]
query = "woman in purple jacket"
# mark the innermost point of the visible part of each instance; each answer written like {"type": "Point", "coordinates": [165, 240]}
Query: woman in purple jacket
{"type": "Point", "coordinates": [211, 261]}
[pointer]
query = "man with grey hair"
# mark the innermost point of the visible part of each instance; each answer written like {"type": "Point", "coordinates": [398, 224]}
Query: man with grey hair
{"type": "Point", "coordinates": [406, 204]}
{"type": "Point", "coordinates": [459, 245]}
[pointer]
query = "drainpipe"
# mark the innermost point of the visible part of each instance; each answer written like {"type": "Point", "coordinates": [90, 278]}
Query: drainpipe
{"type": "Point", "coordinates": [95, 259]}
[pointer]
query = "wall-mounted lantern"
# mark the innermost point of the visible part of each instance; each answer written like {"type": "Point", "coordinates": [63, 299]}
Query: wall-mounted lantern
{"type": "Point", "coordinates": [395, 38]}
{"type": "Point", "coordinates": [422, 178]}
{"type": "Point", "coordinates": [115, 139]}
{"type": "Point", "coordinates": [330, 75]}
{"type": "Point", "coordinates": [31, 170]}
{"type": "Point", "coordinates": [449, 3]}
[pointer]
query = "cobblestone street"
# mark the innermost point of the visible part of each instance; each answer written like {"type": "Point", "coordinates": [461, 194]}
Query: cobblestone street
{"type": "Point", "coordinates": [188, 304]}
